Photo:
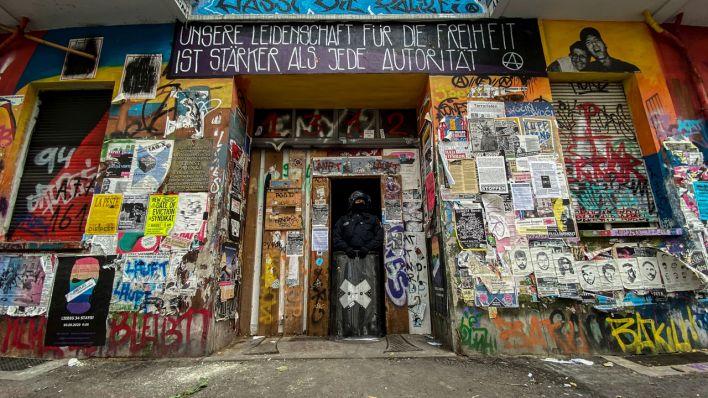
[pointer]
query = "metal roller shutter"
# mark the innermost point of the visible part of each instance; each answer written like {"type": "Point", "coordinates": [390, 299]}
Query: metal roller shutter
{"type": "Point", "coordinates": [61, 166]}
{"type": "Point", "coordinates": [606, 172]}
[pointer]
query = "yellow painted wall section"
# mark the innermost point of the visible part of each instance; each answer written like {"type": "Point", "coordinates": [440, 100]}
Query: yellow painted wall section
{"type": "Point", "coordinates": [630, 42]}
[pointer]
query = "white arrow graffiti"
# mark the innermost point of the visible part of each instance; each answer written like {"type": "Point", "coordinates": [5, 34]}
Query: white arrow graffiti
{"type": "Point", "coordinates": [355, 294]}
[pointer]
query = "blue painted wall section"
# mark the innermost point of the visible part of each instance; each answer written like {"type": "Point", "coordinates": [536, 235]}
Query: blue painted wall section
{"type": "Point", "coordinates": [117, 42]}
{"type": "Point", "coordinates": [340, 7]}
{"type": "Point", "coordinates": [665, 195]}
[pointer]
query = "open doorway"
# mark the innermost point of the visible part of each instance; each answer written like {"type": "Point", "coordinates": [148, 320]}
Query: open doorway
{"type": "Point", "coordinates": [364, 317]}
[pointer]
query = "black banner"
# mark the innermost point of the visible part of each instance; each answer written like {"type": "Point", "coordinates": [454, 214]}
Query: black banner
{"type": "Point", "coordinates": [504, 47]}
{"type": "Point", "coordinates": [80, 299]}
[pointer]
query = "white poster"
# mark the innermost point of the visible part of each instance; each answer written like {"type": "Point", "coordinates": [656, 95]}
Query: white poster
{"type": "Point", "coordinates": [485, 109]}
{"type": "Point", "coordinates": [191, 212]}
{"type": "Point", "coordinates": [410, 166]}
{"type": "Point", "coordinates": [542, 258]}
{"type": "Point", "coordinates": [529, 144]}
{"type": "Point", "coordinates": [491, 171]}
{"type": "Point", "coordinates": [677, 278]}
{"type": "Point", "coordinates": [320, 239]}
{"type": "Point", "coordinates": [544, 176]}
{"type": "Point", "coordinates": [522, 196]}
{"type": "Point", "coordinates": [496, 217]}
{"type": "Point", "coordinates": [587, 272]}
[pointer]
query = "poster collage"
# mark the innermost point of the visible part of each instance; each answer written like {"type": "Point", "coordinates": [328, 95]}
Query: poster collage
{"type": "Point", "coordinates": [512, 222]}
{"type": "Point", "coordinates": [143, 244]}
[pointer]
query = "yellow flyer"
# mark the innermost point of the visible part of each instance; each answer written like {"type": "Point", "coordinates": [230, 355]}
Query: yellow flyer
{"type": "Point", "coordinates": [162, 212]}
{"type": "Point", "coordinates": [103, 216]}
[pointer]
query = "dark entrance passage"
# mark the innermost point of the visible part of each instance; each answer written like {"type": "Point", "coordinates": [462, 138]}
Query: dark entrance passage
{"type": "Point", "coordinates": [357, 286]}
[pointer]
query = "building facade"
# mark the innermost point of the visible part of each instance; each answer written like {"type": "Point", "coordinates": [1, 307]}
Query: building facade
{"type": "Point", "coordinates": [540, 182]}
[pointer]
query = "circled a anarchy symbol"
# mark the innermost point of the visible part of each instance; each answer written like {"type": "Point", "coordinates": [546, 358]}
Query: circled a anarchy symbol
{"type": "Point", "coordinates": [512, 61]}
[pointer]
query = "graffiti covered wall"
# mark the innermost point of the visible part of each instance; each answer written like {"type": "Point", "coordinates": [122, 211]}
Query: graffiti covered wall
{"type": "Point", "coordinates": [525, 286]}
{"type": "Point", "coordinates": [167, 153]}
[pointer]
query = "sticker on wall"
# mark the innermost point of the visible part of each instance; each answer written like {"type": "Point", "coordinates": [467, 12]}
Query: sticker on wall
{"type": "Point", "coordinates": [77, 67]}
{"type": "Point", "coordinates": [141, 75]}
{"type": "Point", "coordinates": [295, 243]}
{"type": "Point", "coordinates": [649, 271]}
{"type": "Point", "coordinates": [191, 108]}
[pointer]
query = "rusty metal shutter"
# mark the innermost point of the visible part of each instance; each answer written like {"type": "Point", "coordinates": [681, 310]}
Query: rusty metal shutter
{"type": "Point", "coordinates": [606, 171]}
{"type": "Point", "coordinates": [61, 165]}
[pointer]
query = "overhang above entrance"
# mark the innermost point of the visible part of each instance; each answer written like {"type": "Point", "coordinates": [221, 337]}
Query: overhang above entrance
{"type": "Point", "coordinates": [381, 91]}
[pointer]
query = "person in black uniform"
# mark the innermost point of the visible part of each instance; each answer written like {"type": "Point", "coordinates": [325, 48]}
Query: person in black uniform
{"type": "Point", "coordinates": [358, 232]}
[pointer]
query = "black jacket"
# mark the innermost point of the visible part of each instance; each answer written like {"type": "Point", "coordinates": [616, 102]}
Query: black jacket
{"type": "Point", "coordinates": [355, 230]}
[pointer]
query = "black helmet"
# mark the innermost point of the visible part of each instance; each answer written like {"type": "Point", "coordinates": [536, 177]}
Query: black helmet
{"type": "Point", "coordinates": [359, 195]}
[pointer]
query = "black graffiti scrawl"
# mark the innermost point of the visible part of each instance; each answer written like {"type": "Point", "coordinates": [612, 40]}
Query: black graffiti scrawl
{"type": "Point", "coordinates": [78, 67]}
{"type": "Point", "coordinates": [141, 75]}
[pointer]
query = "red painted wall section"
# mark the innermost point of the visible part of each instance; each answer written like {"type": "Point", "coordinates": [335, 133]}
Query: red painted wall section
{"type": "Point", "coordinates": [13, 60]}
{"type": "Point", "coordinates": [676, 69]}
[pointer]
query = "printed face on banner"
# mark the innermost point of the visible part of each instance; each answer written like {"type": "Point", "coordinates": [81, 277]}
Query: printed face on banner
{"type": "Point", "coordinates": [588, 277]}
{"type": "Point", "coordinates": [630, 274]}
{"type": "Point", "coordinates": [649, 272]}
{"type": "Point", "coordinates": [565, 269]}
{"type": "Point", "coordinates": [543, 262]}
{"type": "Point", "coordinates": [608, 279]}
{"type": "Point", "coordinates": [521, 264]}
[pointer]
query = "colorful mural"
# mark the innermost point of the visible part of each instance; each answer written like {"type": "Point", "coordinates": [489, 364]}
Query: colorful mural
{"type": "Point", "coordinates": [339, 8]}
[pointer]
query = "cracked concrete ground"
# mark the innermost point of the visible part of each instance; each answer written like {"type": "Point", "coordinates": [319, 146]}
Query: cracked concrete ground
{"type": "Point", "coordinates": [379, 377]}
